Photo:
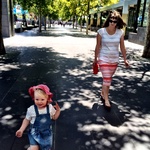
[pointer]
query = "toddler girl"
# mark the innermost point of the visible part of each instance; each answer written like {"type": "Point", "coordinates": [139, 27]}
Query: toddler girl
{"type": "Point", "coordinates": [39, 117]}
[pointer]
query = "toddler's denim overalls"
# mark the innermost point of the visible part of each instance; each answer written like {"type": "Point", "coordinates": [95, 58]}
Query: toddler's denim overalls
{"type": "Point", "coordinates": [40, 132]}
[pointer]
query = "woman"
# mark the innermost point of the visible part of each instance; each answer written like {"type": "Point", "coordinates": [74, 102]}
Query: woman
{"type": "Point", "coordinates": [107, 51]}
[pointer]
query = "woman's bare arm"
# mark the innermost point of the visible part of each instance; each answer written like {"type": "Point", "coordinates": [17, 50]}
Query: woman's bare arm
{"type": "Point", "coordinates": [97, 47]}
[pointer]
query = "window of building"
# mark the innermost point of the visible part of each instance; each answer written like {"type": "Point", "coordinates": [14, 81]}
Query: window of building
{"type": "Point", "coordinates": [143, 13]}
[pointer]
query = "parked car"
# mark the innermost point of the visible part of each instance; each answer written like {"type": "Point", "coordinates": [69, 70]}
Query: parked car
{"type": "Point", "coordinates": [69, 23]}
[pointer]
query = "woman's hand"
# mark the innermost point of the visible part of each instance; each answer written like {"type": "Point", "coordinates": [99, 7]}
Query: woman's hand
{"type": "Point", "coordinates": [126, 64]}
{"type": "Point", "coordinates": [95, 61]}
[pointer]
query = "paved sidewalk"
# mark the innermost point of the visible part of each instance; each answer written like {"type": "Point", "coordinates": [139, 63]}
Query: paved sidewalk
{"type": "Point", "coordinates": [62, 59]}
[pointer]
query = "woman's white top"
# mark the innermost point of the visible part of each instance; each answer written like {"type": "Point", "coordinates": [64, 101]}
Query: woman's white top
{"type": "Point", "coordinates": [109, 50]}
{"type": "Point", "coordinates": [31, 115]}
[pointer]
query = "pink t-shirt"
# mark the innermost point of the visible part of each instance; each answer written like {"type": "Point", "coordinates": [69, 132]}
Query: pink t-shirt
{"type": "Point", "coordinates": [109, 51]}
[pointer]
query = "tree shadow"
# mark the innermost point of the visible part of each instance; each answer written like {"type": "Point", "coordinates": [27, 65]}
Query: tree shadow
{"type": "Point", "coordinates": [84, 124]}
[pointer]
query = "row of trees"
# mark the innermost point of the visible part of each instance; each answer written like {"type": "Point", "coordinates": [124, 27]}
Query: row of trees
{"type": "Point", "coordinates": [66, 10]}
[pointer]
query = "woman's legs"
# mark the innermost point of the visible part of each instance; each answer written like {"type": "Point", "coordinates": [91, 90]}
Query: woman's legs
{"type": "Point", "coordinates": [105, 91]}
{"type": "Point", "coordinates": [107, 71]}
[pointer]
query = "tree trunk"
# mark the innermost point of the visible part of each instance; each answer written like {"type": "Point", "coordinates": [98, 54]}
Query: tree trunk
{"type": "Point", "coordinates": [40, 26]}
{"type": "Point", "coordinates": [87, 20]}
{"type": "Point", "coordinates": [45, 23]}
{"type": "Point", "coordinates": [2, 48]}
{"type": "Point", "coordinates": [81, 23]}
{"type": "Point", "coordinates": [146, 51]}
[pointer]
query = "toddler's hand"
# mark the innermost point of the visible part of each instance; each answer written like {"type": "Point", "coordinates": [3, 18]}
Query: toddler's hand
{"type": "Point", "coordinates": [19, 133]}
{"type": "Point", "coordinates": [56, 106]}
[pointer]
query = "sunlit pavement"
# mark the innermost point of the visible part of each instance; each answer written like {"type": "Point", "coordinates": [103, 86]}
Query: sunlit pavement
{"type": "Point", "coordinates": [62, 57]}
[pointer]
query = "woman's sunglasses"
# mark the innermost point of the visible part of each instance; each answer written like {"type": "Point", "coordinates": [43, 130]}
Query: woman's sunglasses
{"type": "Point", "coordinates": [111, 21]}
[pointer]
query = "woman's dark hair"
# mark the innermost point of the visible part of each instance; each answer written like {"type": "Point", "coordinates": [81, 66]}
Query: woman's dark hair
{"type": "Point", "coordinates": [115, 15]}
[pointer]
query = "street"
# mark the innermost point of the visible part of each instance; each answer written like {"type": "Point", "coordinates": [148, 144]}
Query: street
{"type": "Point", "coordinates": [62, 57]}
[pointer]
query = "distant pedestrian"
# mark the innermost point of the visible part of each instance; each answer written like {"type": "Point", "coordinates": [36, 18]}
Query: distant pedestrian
{"type": "Point", "coordinates": [39, 117]}
{"type": "Point", "coordinates": [107, 51]}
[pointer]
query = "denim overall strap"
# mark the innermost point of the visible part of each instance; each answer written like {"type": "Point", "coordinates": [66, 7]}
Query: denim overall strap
{"type": "Point", "coordinates": [47, 109]}
{"type": "Point", "coordinates": [36, 110]}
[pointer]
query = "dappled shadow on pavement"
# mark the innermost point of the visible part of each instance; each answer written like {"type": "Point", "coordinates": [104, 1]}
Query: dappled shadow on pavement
{"type": "Point", "coordinates": [84, 124]}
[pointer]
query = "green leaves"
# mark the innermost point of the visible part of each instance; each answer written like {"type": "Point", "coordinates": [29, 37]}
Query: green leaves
{"type": "Point", "coordinates": [64, 9]}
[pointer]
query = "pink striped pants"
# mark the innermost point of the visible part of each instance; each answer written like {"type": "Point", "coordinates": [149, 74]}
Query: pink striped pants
{"type": "Point", "coordinates": [107, 70]}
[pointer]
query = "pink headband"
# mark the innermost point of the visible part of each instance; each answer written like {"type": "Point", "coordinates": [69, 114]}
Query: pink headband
{"type": "Point", "coordinates": [43, 88]}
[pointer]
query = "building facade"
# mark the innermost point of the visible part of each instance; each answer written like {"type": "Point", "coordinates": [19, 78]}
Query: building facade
{"type": "Point", "coordinates": [7, 18]}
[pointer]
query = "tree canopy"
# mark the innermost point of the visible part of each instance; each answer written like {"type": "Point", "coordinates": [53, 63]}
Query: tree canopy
{"type": "Point", "coordinates": [64, 9]}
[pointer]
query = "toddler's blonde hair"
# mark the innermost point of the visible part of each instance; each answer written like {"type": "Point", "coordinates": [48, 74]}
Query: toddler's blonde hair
{"type": "Point", "coordinates": [40, 92]}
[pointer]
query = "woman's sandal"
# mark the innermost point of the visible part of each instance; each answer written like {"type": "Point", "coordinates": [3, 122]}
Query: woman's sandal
{"type": "Point", "coordinates": [102, 99]}
{"type": "Point", "coordinates": [107, 104]}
